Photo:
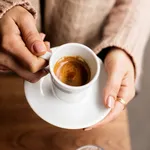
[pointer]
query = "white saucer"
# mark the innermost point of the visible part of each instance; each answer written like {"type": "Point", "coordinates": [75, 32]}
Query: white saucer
{"type": "Point", "coordinates": [88, 112]}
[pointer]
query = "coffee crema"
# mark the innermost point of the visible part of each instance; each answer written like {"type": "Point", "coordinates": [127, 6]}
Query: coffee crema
{"type": "Point", "coordinates": [72, 70]}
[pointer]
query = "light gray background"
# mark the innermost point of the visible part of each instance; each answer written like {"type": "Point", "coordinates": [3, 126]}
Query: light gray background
{"type": "Point", "coordinates": [139, 109]}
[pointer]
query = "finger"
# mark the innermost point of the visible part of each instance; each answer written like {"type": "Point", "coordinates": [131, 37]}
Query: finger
{"type": "Point", "coordinates": [42, 35]}
{"type": "Point", "coordinates": [3, 68]}
{"type": "Point", "coordinates": [31, 36]}
{"type": "Point", "coordinates": [31, 77]}
{"type": "Point", "coordinates": [126, 92]}
{"type": "Point", "coordinates": [127, 89]}
{"type": "Point", "coordinates": [113, 114]}
{"type": "Point", "coordinates": [12, 43]}
{"type": "Point", "coordinates": [112, 87]}
{"type": "Point", "coordinates": [22, 72]}
{"type": "Point", "coordinates": [20, 51]}
{"type": "Point", "coordinates": [27, 75]}
{"type": "Point", "coordinates": [47, 44]}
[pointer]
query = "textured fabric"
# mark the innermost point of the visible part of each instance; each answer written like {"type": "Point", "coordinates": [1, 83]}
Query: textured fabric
{"type": "Point", "coordinates": [98, 24]}
{"type": "Point", "coordinates": [6, 5]}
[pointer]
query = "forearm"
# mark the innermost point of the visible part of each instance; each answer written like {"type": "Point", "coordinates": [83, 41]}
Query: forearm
{"type": "Point", "coordinates": [127, 27]}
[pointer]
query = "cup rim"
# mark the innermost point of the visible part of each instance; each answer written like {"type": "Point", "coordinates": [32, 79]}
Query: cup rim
{"type": "Point", "coordinates": [69, 86]}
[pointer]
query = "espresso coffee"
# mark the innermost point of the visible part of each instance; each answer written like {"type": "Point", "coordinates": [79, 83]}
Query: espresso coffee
{"type": "Point", "coordinates": [72, 70]}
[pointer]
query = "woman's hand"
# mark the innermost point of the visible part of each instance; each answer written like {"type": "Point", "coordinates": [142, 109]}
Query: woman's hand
{"type": "Point", "coordinates": [20, 44]}
{"type": "Point", "coordinates": [120, 83]}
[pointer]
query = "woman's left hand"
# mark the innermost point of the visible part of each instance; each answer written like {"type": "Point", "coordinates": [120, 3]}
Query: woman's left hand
{"type": "Point", "coordinates": [120, 83]}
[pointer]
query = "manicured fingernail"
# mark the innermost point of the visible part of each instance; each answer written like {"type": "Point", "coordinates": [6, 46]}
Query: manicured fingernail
{"type": "Point", "coordinates": [110, 102]}
{"type": "Point", "coordinates": [39, 47]}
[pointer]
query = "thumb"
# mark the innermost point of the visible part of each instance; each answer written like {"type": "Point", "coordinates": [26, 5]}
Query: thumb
{"type": "Point", "coordinates": [31, 36]}
{"type": "Point", "coordinates": [112, 87]}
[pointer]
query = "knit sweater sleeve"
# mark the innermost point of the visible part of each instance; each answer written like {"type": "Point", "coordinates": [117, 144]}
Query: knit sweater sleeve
{"type": "Point", "coordinates": [127, 27]}
{"type": "Point", "coordinates": [6, 5]}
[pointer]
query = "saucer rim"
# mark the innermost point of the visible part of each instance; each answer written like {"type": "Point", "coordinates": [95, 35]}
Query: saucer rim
{"type": "Point", "coordinates": [59, 125]}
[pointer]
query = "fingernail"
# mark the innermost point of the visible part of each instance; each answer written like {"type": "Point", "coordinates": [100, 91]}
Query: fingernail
{"type": "Point", "coordinates": [39, 47]}
{"type": "Point", "coordinates": [111, 102]}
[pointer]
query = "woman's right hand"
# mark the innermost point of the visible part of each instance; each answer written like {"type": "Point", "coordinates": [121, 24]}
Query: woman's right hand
{"type": "Point", "coordinates": [21, 44]}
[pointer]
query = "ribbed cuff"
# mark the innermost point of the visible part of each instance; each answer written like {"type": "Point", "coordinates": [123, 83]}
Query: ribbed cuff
{"type": "Point", "coordinates": [106, 44]}
{"type": "Point", "coordinates": [6, 5]}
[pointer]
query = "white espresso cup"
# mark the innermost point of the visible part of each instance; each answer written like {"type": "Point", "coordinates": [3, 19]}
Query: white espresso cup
{"type": "Point", "coordinates": [66, 92]}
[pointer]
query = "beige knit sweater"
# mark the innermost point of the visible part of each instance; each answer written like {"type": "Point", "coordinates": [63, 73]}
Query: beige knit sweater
{"type": "Point", "coordinates": [96, 23]}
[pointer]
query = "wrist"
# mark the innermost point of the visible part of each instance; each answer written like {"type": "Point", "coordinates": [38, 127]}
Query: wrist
{"type": "Point", "coordinates": [102, 55]}
{"type": "Point", "coordinates": [116, 51]}
{"type": "Point", "coordinates": [119, 55]}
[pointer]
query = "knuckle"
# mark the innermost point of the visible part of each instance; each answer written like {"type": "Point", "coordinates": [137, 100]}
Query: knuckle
{"type": "Point", "coordinates": [19, 13]}
{"type": "Point", "coordinates": [26, 16]}
{"type": "Point", "coordinates": [112, 88]}
{"type": "Point", "coordinates": [33, 68]}
{"type": "Point", "coordinates": [8, 42]}
{"type": "Point", "coordinates": [30, 36]}
{"type": "Point", "coordinates": [23, 13]}
{"type": "Point", "coordinates": [110, 93]}
{"type": "Point", "coordinates": [36, 64]}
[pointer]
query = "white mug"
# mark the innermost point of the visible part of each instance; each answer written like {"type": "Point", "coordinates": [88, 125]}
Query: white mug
{"type": "Point", "coordinates": [66, 92]}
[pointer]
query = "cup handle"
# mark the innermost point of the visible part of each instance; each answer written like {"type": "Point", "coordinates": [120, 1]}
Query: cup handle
{"type": "Point", "coordinates": [46, 56]}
